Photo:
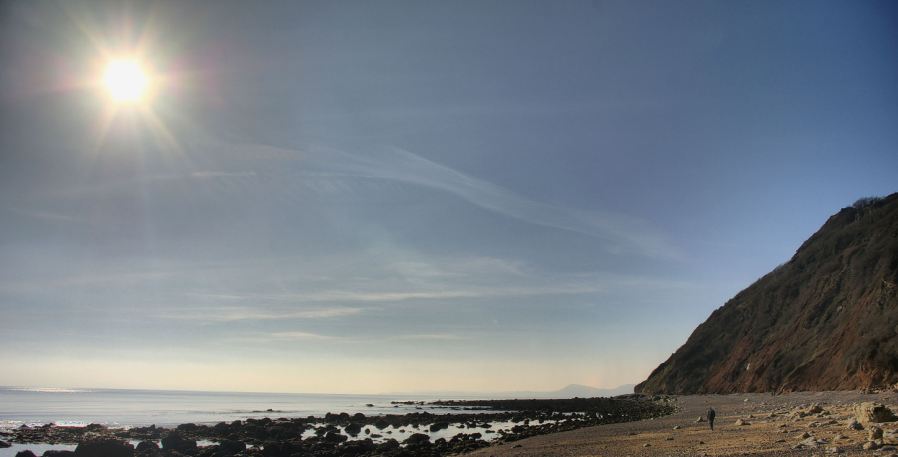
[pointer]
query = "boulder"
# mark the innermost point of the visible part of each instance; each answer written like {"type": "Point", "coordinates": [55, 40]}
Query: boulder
{"type": "Point", "coordinates": [439, 426]}
{"type": "Point", "coordinates": [4, 444]}
{"type": "Point", "coordinates": [144, 447]}
{"type": "Point", "coordinates": [231, 447]}
{"type": "Point", "coordinates": [417, 439]}
{"type": "Point", "coordinates": [353, 429]}
{"type": "Point", "coordinates": [700, 419]}
{"type": "Point", "coordinates": [25, 453]}
{"type": "Point", "coordinates": [335, 437]}
{"type": "Point", "coordinates": [874, 433]}
{"type": "Point", "coordinates": [174, 441]}
{"type": "Point", "coordinates": [275, 449]}
{"type": "Point", "coordinates": [104, 447]}
{"type": "Point", "coordinates": [58, 453]}
{"type": "Point", "coordinates": [855, 425]}
{"type": "Point", "coordinates": [868, 413]}
{"type": "Point", "coordinates": [890, 437]}
{"type": "Point", "coordinates": [189, 427]}
{"type": "Point", "coordinates": [741, 422]}
{"type": "Point", "coordinates": [810, 443]}
{"type": "Point", "coordinates": [871, 446]}
{"type": "Point", "coordinates": [360, 447]}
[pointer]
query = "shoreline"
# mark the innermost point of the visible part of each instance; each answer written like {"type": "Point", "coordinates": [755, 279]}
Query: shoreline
{"type": "Point", "coordinates": [773, 426]}
{"type": "Point", "coordinates": [481, 424]}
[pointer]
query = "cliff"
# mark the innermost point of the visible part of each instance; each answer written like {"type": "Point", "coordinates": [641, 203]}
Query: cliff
{"type": "Point", "coordinates": [825, 320]}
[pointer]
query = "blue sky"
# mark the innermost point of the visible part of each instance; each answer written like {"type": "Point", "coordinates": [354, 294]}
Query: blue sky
{"type": "Point", "coordinates": [417, 196]}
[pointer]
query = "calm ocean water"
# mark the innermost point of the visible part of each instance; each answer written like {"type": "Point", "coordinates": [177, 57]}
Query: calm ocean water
{"type": "Point", "coordinates": [120, 408]}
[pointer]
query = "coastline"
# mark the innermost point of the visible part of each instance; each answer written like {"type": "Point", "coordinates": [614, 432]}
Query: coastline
{"type": "Point", "coordinates": [775, 427]}
{"type": "Point", "coordinates": [473, 424]}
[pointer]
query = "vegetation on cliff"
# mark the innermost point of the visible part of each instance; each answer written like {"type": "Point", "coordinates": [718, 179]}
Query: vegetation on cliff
{"type": "Point", "coordinates": [825, 320]}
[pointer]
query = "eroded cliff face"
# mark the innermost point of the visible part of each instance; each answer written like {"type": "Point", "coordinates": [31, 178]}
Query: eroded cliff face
{"type": "Point", "coordinates": [825, 320]}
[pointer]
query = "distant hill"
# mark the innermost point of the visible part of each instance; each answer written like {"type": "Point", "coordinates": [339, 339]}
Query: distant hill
{"type": "Point", "coordinates": [825, 320]}
{"type": "Point", "coordinates": [569, 391]}
{"type": "Point", "coordinates": [578, 390]}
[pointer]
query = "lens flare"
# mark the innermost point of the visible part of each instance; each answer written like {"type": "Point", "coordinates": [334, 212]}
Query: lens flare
{"type": "Point", "coordinates": [125, 80]}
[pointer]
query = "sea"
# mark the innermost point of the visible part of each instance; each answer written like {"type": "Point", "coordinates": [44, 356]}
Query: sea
{"type": "Point", "coordinates": [123, 408]}
{"type": "Point", "coordinates": [127, 407]}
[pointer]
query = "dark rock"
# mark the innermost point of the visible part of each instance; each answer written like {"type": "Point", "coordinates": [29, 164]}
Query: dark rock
{"type": "Point", "coordinates": [353, 429]}
{"type": "Point", "coordinates": [360, 447]}
{"type": "Point", "coordinates": [58, 453]}
{"type": "Point", "coordinates": [174, 441]}
{"type": "Point", "coordinates": [104, 447]}
{"type": "Point", "coordinates": [417, 439]}
{"type": "Point", "coordinates": [439, 426]}
{"type": "Point", "coordinates": [4, 444]}
{"type": "Point", "coordinates": [285, 449]}
{"type": "Point", "coordinates": [277, 432]}
{"type": "Point", "coordinates": [25, 453]}
{"type": "Point", "coordinates": [335, 437]}
{"type": "Point", "coordinates": [147, 448]}
{"type": "Point", "coordinates": [388, 445]}
{"type": "Point", "coordinates": [231, 447]}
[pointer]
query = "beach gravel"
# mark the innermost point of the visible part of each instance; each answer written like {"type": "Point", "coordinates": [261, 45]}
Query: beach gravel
{"type": "Point", "coordinates": [791, 414]}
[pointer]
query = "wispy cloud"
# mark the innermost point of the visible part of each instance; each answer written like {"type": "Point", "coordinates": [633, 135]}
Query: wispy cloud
{"type": "Point", "coordinates": [295, 336]}
{"type": "Point", "coordinates": [621, 233]}
{"type": "Point", "coordinates": [300, 335]}
{"type": "Point", "coordinates": [429, 336]}
{"type": "Point", "coordinates": [48, 216]}
{"type": "Point", "coordinates": [275, 337]}
{"type": "Point", "coordinates": [205, 174]}
{"type": "Point", "coordinates": [232, 314]}
{"type": "Point", "coordinates": [383, 296]}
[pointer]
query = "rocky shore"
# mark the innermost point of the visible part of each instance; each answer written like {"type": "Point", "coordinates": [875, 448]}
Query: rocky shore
{"type": "Point", "coordinates": [844, 423]}
{"type": "Point", "coordinates": [348, 435]}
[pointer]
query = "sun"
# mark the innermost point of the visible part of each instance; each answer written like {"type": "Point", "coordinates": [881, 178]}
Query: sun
{"type": "Point", "coordinates": [125, 80]}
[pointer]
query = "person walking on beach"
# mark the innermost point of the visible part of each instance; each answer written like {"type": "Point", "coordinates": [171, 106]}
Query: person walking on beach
{"type": "Point", "coordinates": [711, 415]}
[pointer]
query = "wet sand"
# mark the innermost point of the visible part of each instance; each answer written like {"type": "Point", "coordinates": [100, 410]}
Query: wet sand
{"type": "Point", "coordinates": [773, 430]}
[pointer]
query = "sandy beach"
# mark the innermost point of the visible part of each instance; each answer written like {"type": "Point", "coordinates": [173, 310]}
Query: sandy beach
{"type": "Point", "coordinates": [773, 430]}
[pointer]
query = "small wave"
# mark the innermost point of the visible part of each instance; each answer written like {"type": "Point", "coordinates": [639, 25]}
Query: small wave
{"type": "Point", "coordinates": [50, 390]}
{"type": "Point", "coordinates": [70, 423]}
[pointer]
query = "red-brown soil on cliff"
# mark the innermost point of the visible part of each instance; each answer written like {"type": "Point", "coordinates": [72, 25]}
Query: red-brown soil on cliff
{"type": "Point", "coordinates": [825, 320]}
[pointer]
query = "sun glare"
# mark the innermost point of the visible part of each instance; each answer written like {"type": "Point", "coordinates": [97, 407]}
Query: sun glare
{"type": "Point", "coordinates": [125, 80]}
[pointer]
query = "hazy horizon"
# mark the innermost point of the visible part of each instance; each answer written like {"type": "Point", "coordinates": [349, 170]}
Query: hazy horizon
{"type": "Point", "coordinates": [422, 393]}
{"type": "Point", "coordinates": [369, 197]}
